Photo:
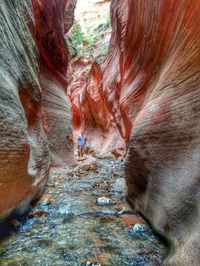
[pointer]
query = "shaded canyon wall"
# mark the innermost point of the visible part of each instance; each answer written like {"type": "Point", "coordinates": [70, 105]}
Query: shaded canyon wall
{"type": "Point", "coordinates": [152, 85]}
{"type": "Point", "coordinates": [33, 102]}
{"type": "Point", "coordinates": [52, 21]}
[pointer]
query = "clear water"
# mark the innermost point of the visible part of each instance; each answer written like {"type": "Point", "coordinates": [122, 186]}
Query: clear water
{"type": "Point", "coordinates": [68, 227]}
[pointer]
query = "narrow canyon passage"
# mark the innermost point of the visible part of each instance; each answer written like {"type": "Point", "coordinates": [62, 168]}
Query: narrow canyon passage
{"type": "Point", "coordinates": [82, 220]}
{"type": "Point", "coordinates": [126, 75]}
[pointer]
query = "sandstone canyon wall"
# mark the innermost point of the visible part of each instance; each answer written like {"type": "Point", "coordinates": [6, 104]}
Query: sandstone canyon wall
{"type": "Point", "coordinates": [33, 102]}
{"type": "Point", "coordinates": [90, 112]}
{"type": "Point", "coordinates": [53, 19]}
{"type": "Point", "coordinates": [152, 85]}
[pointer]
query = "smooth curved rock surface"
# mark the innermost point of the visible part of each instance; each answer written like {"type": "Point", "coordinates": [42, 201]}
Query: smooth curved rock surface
{"type": "Point", "coordinates": [151, 81]}
{"type": "Point", "coordinates": [90, 111]}
{"type": "Point", "coordinates": [53, 20]}
{"type": "Point", "coordinates": [33, 67]}
{"type": "Point", "coordinates": [89, 108]}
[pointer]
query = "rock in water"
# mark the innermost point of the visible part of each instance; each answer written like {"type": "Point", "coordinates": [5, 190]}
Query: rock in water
{"type": "Point", "coordinates": [103, 201]}
{"type": "Point", "coordinates": [91, 264]}
{"type": "Point", "coordinates": [140, 231]}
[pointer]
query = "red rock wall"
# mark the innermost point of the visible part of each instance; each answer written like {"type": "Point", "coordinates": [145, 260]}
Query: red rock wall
{"type": "Point", "coordinates": [152, 83]}
{"type": "Point", "coordinates": [89, 108]}
{"type": "Point", "coordinates": [32, 97]}
{"type": "Point", "coordinates": [53, 20]}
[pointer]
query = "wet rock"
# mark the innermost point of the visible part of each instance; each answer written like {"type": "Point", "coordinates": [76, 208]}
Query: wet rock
{"type": "Point", "coordinates": [2, 251]}
{"type": "Point", "coordinates": [91, 166]}
{"type": "Point", "coordinates": [91, 264]}
{"type": "Point", "coordinates": [69, 218]}
{"type": "Point", "coordinates": [118, 153]}
{"type": "Point", "coordinates": [70, 257]}
{"type": "Point", "coordinates": [103, 201]}
{"type": "Point", "coordinates": [86, 185]}
{"type": "Point", "coordinates": [71, 173]}
{"type": "Point", "coordinates": [116, 173]}
{"type": "Point", "coordinates": [140, 231]}
{"type": "Point", "coordinates": [45, 200]}
{"type": "Point", "coordinates": [32, 245]}
{"type": "Point", "coordinates": [139, 261]}
{"type": "Point", "coordinates": [37, 213]}
{"type": "Point", "coordinates": [119, 186]}
{"type": "Point", "coordinates": [18, 263]}
{"type": "Point", "coordinates": [14, 223]}
{"type": "Point", "coordinates": [27, 225]}
{"type": "Point", "coordinates": [78, 171]}
{"type": "Point", "coordinates": [65, 209]}
{"type": "Point", "coordinates": [128, 220]}
{"type": "Point", "coordinates": [122, 211]}
{"type": "Point", "coordinates": [102, 185]}
{"type": "Point", "coordinates": [107, 219]}
{"type": "Point", "coordinates": [108, 211]}
{"type": "Point", "coordinates": [60, 181]}
{"type": "Point", "coordinates": [107, 176]}
{"type": "Point", "coordinates": [157, 259]}
{"type": "Point", "coordinates": [45, 203]}
{"type": "Point", "coordinates": [45, 242]}
{"type": "Point", "coordinates": [103, 231]}
{"type": "Point", "coordinates": [140, 246]}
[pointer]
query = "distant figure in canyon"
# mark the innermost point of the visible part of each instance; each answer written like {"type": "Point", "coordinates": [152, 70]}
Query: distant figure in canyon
{"type": "Point", "coordinates": [81, 144]}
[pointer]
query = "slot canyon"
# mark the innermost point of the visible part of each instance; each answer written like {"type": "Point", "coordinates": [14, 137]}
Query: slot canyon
{"type": "Point", "coordinates": [123, 77]}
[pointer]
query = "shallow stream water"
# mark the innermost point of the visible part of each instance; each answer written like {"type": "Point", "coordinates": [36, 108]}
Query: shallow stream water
{"type": "Point", "coordinates": [82, 220]}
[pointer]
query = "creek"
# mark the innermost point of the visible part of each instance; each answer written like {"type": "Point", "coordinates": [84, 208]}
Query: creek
{"type": "Point", "coordinates": [82, 220]}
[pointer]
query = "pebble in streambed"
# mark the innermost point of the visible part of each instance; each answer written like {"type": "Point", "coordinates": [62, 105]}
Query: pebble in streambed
{"type": "Point", "coordinates": [103, 201]}
{"type": "Point", "coordinates": [82, 220]}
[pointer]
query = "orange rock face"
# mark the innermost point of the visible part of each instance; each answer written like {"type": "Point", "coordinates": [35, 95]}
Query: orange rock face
{"type": "Point", "coordinates": [89, 108]}
{"type": "Point", "coordinates": [151, 82]}
{"type": "Point", "coordinates": [90, 111]}
{"type": "Point", "coordinates": [33, 100]}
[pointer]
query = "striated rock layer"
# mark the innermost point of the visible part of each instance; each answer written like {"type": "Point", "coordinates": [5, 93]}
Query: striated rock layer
{"type": "Point", "coordinates": [89, 105]}
{"type": "Point", "coordinates": [152, 83]}
{"type": "Point", "coordinates": [52, 21]}
{"type": "Point", "coordinates": [33, 67]}
{"type": "Point", "coordinates": [89, 108]}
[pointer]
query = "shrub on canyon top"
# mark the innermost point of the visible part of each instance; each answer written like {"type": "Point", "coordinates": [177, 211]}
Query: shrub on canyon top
{"type": "Point", "coordinates": [76, 36]}
{"type": "Point", "coordinates": [88, 43]}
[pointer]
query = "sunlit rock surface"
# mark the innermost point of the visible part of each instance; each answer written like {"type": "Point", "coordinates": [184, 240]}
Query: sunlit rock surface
{"type": "Point", "coordinates": [151, 80]}
{"type": "Point", "coordinates": [33, 67]}
{"type": "Point", "coordinates": [92, 13]}
{"type": "Point", "coordinates": [89, 108]}
{"type": "Point", "coordinates": [90, 111]}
